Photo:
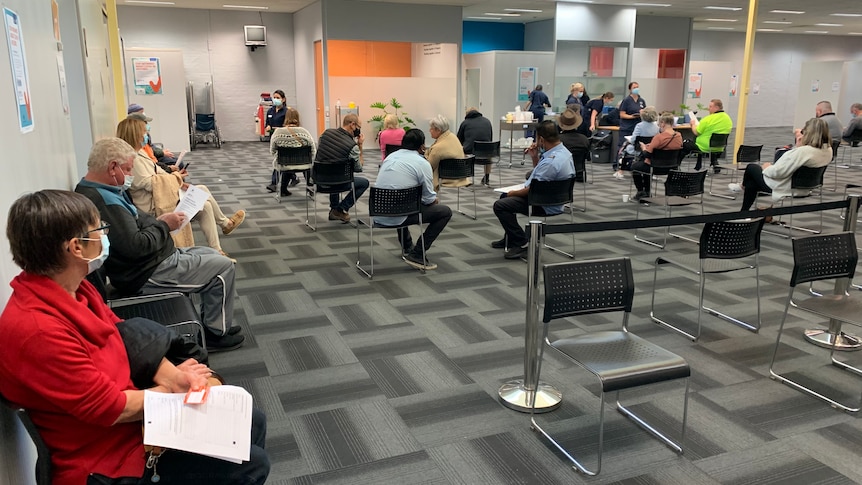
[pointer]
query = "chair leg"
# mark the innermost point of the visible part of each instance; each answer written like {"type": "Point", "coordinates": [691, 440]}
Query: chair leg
{"type": "Point", "coordinates": [667, 325]}
{"type": "Point", "coordinates": [673, 445]}
{"type": "Point", "coordinates": [371, 250]}
{"type": "Point", "coordinates": [577, 465]}
{"type": "Point", "coordinates": [558, 250]}
{"type": "Point", "coordinates": [311, 193]}
{"type": "Point", "coordinates": [752, 328]}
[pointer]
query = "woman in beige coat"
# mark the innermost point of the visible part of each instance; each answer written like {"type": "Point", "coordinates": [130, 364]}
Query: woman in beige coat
{"type": "Point", "coordinates": [156, 192]}
{"type": "Point", "coordinates": [446, 145]}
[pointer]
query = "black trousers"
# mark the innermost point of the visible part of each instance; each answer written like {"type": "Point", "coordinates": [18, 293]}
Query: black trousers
{"type": "Point", "coordinates": [507, 209]}
{"type": "Point", "coordinates": [435, 216]}
{"type": "Point", "coordinates": [642, 176]}
{"type": "Point", "coordinates": [752, 183]}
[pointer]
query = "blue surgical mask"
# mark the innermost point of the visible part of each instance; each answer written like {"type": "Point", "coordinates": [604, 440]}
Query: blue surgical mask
{"type": "Point", "coordinates": [277, 102]}
{"type": "Point", "coordinates": [127, 181]}
{"type": "Point", "coordinates": [580, 93]}
{"type": "Point", "coordinates": [98, 261]}
{"type": "Point", "coordinates": [146, 140]}
{"type": "Point", "coordinates": [636, 91]}
{"type": "Point", "coordinates": [148, 127]}
{"type": "Point", "coordinates": [853, 115]}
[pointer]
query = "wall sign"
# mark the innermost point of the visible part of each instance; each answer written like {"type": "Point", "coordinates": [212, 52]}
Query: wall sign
{"type": "Point", "coordinates": [527, 80]}
{"type": "Point", "coordinates": [20, 75]}
{"type": "Point", "coordinates": [147, 74]}
{"type": "Point", "coordinates": [695, 85]}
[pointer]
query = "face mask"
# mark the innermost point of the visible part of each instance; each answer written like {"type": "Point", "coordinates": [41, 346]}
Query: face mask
{"type": "Point", "coordinates": [579, 94]}
{"type": "Point", "coordinates": [356, 133]}
{"type": "Point", "coordinates": [127, 182]}
{"type": "Point", "coordinates": [148, 127]}
{"type": "Point", "coordinates": [853, 115]}
{"type": "Point", "coordinates": [277, 102]}
{"type": "Point", "coordinates": [146, 140]}
{"type": "Point", "coordinates": [636, 91]}
{"type": "Point", "coordinates": [98, 261]}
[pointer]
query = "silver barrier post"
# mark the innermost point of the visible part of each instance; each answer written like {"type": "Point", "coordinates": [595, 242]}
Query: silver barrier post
{"type": "Point", "coordinates": [834, 336]}
{"type": "Point", "coordinates": [518, 394]}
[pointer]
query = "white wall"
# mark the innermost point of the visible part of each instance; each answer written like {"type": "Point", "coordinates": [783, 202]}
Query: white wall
{"type": "Point", "coordinates": [851, 73]}
{"type": "Point", "coordinates": [213, 45]}
{"type": "Point", "coordinates": [594, 23]}
{"type": "Point", "coordinates": [434, 60]}
{"type": "Point", "coordinates": [776, 66]}
{"type": "Point", "coordinates": [539, 36]}
{"type": "Point", "coordinates": [806, 99]}
{"type": "Point", "coordinates": [169, 108]}
{"type": "Point", "coordinates": [307, 28]}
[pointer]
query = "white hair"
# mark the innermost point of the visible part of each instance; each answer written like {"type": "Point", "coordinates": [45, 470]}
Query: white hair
{"type": "Point", "coordinates": [440, 122]}
{"type": "Point", "coordinates": [107, 150]}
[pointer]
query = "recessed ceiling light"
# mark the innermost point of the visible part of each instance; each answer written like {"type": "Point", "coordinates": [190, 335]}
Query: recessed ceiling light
{"type": "Point", "coordinates": [152, 2]}
{"type": "Point", "coordinates": [770, 30]}
{"type": "Point", "coordinates": [485, 18]}
{"type": "Point", "coordinates": [846, 14]}
{"type": "Point", "coordinates": [829, 25]}
{"type": "Point", "coordinates": [782, 22]}
{"type": "Point", "coordinates": [720, 28]}
{"type": "Point", "coordinates": [503, 14]}
{"type": "Point", "coordinates": [793, 12]}
{"type": "Point", "coordinates": [251, 7]}
{"type": "Point", "coordinates": [734, 9]}
{"type": "Point", "coordinates": [816, 31]}
{"type": "Point", "coordinates": [651, 4]}
{"type": "Point", "coordinates": [719, 20]}
{"type": "Point", "coordinates": [524, 10]}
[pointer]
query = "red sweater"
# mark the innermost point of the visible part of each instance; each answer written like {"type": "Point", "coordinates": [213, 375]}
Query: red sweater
{"type": "Point", "coordinates": [64, 361]}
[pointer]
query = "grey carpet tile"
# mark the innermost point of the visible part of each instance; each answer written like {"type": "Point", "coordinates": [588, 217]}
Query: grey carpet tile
{"type": "Point", "coordinates": [394, 379]}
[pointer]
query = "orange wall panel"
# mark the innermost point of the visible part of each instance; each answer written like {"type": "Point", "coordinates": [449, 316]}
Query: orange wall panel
{"type": "Point", "coordinates": [369, 59]}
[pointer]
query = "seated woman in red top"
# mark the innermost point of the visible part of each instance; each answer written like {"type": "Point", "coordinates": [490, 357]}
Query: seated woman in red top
{"type": "Point", "coordinates": [391, 134]}
{"type": "Point", "coordinates": [64, 360]}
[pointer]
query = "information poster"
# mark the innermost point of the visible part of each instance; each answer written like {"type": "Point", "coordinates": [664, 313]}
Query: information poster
{"type": "Point", "coordinates": [21, 78]}
{"type": "Point", "coordinates": [815, 86]}
{"type": "Point", "coordinates": [734, 85]}
{"type": "Point", "coordinates": [147, 75]}
{"type": "Point", "coordinates": [527, 80]}
{"type": "Point", "coordinates": [695, 85]}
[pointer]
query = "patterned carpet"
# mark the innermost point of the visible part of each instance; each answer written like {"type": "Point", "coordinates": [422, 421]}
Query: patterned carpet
{"type": "Point", "coordinates": [394, 380]}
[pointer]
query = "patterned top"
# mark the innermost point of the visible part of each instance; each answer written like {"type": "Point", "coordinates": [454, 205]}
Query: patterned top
{"type": "Point", "coordinates": [292, 137]}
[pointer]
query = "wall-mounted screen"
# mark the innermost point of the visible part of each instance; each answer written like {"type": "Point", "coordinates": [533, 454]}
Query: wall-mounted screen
{"type": "Point", "coordinates": [255, 35]}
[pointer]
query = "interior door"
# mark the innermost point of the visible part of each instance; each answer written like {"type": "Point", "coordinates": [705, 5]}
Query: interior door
{"type": "Point", "coordinates": [318, 86]}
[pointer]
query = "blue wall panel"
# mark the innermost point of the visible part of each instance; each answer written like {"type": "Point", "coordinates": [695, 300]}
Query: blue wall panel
{"type": "Point", "coordinates": [492, 36]}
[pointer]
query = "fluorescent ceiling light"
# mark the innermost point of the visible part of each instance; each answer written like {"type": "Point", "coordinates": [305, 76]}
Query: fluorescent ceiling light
{"type": "Point", "coordinates": [720, 28]}
{"type": "Point", "coordinates": [719, 20]}
{"type": "Point", "coordinates": [829, 25]}
{"type": "Point", "coordinates": [252, 7]}
{"type": "Point", "coordinates": [577, 1]}
{"type": "Point", "coordinates": [854, 33]}
{"type": "Point", "coordinates": [524, 10]}
{"type": "Point", "coordinates": [816, 31]}
{"type": "Point", "coordinates": [485, 18]}
{"type": "Point", "coordinates": [734, 9]}
{"type": "Point", "coordinates": [770, 30]}
{"type": "Point", "coordinates": [793, 12]}
{"type": "Point", "coordinates": [503, 14]}
{"type": "Point", "coordinates": [651, 5]}
{"type": "Point", "coordinates": [152, 2]}
{"type": "Point", "coordinates": [782, 22]}
{"type": "Point", "coordinates": [846, 14]}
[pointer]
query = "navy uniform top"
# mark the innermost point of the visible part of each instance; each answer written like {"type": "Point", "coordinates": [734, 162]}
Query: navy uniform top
{"type": "Point", "coordinates": [274, 118]}
{"type": "Point", "coordinates": [632, 107]}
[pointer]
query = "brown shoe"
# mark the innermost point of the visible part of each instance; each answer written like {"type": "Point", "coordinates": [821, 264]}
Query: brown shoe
{"type": "Point", "coordinates": [233, 222]}
{"type": "Point", "coordinates": [339, 215]}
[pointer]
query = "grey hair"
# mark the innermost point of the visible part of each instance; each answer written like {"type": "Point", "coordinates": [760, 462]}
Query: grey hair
{"type": "Point", "coordinates": [856, 106]}
{"type": "Point", "coordinates": [107, 150]}
{"type": "Point", "coordinates": [649, 114]}
{"type": "Point", "coordinates": [440, 122]}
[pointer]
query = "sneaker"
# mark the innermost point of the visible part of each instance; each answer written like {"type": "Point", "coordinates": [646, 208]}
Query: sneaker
{"type": "Point", "coordinates": [619, 175]}
{"type": "Point", "coordinates": [501, 244]}
{"type": "Point", "coordinates": [735, 188]}
{"type": "Point", "coordinates": [339, 215]}
{"type": "Point", "coordinates": [639, 196]}
{"type": "Point", "coordinates": [716, 169]}
{"type": "Point", "coordinates": [224, 343]}
{"type": "Point", "coordinates": [233, 222]}
{"type": "Point", "coordinates": [517, 252]}
{"type": "Point", "coordinates": [486, 180]}
{"type": "Point", "coordinates": [416, 261]}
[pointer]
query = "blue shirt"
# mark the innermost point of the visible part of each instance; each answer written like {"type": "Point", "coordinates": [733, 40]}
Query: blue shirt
{"type": "Point", "coordinates": [555, 164]}
{"type": "Point", "coordinates": [632, 107]}
{"type": "Point", "coordinates": [401, 170]}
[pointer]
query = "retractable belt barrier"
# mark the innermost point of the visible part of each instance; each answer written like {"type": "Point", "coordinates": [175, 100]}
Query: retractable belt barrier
{"type": "Point", "coordinates": [518, 394]}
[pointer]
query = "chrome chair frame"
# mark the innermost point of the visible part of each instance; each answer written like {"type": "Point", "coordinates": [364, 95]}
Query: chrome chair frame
{"type": "Point", "coordinates": [804, 178]}
{"type": "Point", "coordinates": [391, 203]}
{"type": "Point", "coordinates": [661, 163]}
{"type": "Point", "coordinates": [292, 156]}
{"type": "Point", "coordinates": [745, 155]}
{"type": "Point", "coordinates": [720, 242]}
{"type": "Point", "coordinates": [329, 175]}
{"type": "Point", "coordinates": [579, 158]}
{"type": "Point", "coordinates": [550, 193]}
{"type": "Point", "coordinates": [484, 153]}
{"type": "Point", "coordinates": [680, 188]}
{"type": "Point", "coordinates": [456, 169]}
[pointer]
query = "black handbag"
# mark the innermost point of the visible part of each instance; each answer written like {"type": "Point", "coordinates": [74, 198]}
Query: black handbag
{"type": "Point", "coordinates": [147, 342]}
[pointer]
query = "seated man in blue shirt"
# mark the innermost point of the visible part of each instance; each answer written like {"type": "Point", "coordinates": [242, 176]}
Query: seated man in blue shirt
{"type": "Point", "coordinates": [555, 164]}
{"type": "Point", "coordinates": [407, 168]}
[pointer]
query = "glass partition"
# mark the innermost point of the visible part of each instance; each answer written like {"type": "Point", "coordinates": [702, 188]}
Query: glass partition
{"type": "Point", "coordinates": [599, 66]}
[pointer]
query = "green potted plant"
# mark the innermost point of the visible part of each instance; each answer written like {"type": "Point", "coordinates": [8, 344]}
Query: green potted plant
{"type": "Point", "coordinates": [404, 121]}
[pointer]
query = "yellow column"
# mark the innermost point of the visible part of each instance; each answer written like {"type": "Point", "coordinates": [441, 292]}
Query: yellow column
{"type": "Point", "coordinates": [116, 58]}
{"type": "Point", "coordinates": [745, 80]}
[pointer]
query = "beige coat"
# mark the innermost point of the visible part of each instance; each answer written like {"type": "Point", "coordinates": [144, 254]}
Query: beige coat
{"type": "Point", "coordinates": [156, 192]}
{"type": "Point", "coordinates": [446, 146]}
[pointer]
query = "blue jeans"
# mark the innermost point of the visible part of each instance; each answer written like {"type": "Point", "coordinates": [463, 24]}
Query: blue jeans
{"type": "Point", "coordinates": [335, 200]}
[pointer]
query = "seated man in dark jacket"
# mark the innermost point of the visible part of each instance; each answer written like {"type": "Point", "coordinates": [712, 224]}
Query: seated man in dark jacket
{"type": "Point", "coordinates": [143, 257]}
{"type": "Point", "coordinates": [338, 145]}
{"type": "Point", "coordinates": [475, 127]}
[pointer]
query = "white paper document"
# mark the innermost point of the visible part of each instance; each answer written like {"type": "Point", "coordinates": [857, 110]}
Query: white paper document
{"type": "Point", "coordinates": [218, 428]}
{"type": "Point", "coordinates": [191, 202]}
{"type": "Point", "coordinates": [506, 190]}
{"type": "Point", "coordinates": [630, 138]}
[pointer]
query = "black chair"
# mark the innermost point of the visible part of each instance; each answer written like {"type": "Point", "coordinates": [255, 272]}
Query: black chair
{"type": "Point", "coordinates": [722, 245]}
{"type": "Point", "coordinates": [818, 258]}
{"type": "Point", "coordinates": [835, 145]}
{"type": "Point", "coordinates": [852, 143]}
{"type": "Point", "coordinates": [487, 153]}
{"type": "Point", "coordinates": [329, 178]}
{"type": "Point", "coordinates": [661, 163]}
{"type": "Point", "coordinates": [391, 203]}
{"type": "Point", "coordinates": [619, 359]}
{"type": "Point", "coordinates": [804, 181]}
{"type": "Point", "coordinates": [390, 149]}
{"type": "Point", "coordinates": [579, 157]}
{"type": "Point", "coordinates": [745, 155]}
{"type": "Point", "coordinates": [292, 160]}
{"type": "Point", "coordinates": [716, 140]}
{"type": "Point", "coordinates": [553, 193]}
{"type": "Point", "coordinates": [43, 454]}
{"type": "Point", "coordinates": [680, 189]}
{"type": "Point", "coordinates": [457, 169]}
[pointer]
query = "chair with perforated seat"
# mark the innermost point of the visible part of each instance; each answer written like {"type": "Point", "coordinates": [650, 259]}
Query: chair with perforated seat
{"type": "Point", "coordinates": [817, 258]}
{"type": "Point", "coordinates": [804, 182]}
{"type": "Point", "coordinates": [328, 178]}
{"type": "Point", "coordinates": [391, 203]}
{"type": "Point", "coordinates": [661, 163]}
{"type": "Point", "coordinates": [680, 189]}
{"type": "Point", "coordinates": [292, 160]}
{"type": "Point", "coordinates": [579, 158]}
{"type": "Point", "coordinates": [457, 169]}
{"type": "Point", "coordinates": [487, 153]}
{"type": "Point", "coordinates": [43, 454]}
{"type": "Point", "coordinates": [717, 146]}
{"type": "Point", "coordinates": [854, 140]}
{"type": "Point", "coordinates": [722, 246]}
{"type": "Point", "coordinates": [619, 359]}
{"type": "Point", "coordinates": [745, 155]}
{"type": "Point", "coordinates": [544, 193]}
